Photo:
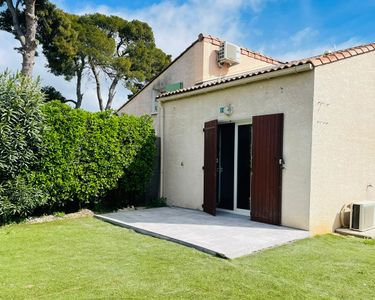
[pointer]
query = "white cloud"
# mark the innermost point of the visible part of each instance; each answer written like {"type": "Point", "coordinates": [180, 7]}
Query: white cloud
{"type": "Point", "coordinates": [302, 36]}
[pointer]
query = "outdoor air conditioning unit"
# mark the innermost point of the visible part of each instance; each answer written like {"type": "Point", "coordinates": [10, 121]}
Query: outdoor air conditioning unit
{"type": "Point", "coordinates": [362, 216]}
{"type": "Point", "coordinates": [228, 54]}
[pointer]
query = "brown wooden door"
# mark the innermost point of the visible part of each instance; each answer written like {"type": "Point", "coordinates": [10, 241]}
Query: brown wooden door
{"type": "Point", "coordinates": [266, 168]}
{"type": "Point", "coordinates": [210, 156]}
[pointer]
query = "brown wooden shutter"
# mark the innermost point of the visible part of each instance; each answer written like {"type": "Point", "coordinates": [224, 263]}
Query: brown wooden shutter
{"type": "Point", "coordinates": [266, 168]}
{"type": "Point", "coordinates": [210, 156]}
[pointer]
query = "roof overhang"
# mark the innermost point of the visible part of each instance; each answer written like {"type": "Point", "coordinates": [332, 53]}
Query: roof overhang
{"type": "Point", "coordinates": [236, 81]}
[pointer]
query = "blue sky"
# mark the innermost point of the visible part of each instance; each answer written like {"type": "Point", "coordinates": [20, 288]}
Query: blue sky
{"type": "Point", "coordinates": [284, 29]}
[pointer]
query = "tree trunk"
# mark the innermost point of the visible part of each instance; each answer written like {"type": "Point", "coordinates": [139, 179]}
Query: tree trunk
{"type": "Point", "coordinates": [112, 92]}
{"type": "Point", "coordinates": [27, 37]}
{"type": "Point", "coordinates": [98, 88]}
{"type": "Point", "coordinates": [28, 61]}
{"type": "Point", "coordinates": [78, 90]}
{"type": "Point", "coordinates": [31, 43]}
{"type": "Point", "coordinates": [79, 84]}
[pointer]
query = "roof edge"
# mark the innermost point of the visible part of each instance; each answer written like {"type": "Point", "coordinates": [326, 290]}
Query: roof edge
{"type": "Point", "coordinates": [330, 57]}
{"type": "Point", "coordinates": [260, 74]}
{"type": "Point", "coordinates": [156, 76]}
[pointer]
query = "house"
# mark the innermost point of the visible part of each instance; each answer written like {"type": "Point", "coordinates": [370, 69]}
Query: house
{"type": "Point", "coordinates": [286, 143]}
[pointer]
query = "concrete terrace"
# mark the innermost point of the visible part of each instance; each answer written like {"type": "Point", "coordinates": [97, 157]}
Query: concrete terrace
{"type": "Point", "coordinates": [225, 235]}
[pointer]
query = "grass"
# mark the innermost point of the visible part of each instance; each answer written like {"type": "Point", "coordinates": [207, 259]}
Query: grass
{"type": "Point", "coordinates": [88, 259]}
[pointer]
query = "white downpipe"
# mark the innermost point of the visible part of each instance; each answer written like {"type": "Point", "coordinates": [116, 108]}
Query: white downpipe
{"type": "Point", "coordinates": [161, 149]}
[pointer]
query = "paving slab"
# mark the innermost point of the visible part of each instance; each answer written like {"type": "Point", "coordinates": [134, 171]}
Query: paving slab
{"type": "Point", "coordinates": [225, 235]}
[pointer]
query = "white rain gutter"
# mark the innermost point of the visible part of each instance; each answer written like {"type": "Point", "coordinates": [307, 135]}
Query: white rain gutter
{"type": "Point", "coordinates": [265, 76]}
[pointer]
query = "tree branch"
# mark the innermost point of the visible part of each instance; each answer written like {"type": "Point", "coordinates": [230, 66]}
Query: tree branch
{"type": "Point", "coordinates": [112, 92]}
{"type": "Point", "coordinates": [118, 47]}
{"type": "Point", "coordinates": [20, 34]}
{"type": "Point", "coordinates": [17, 4]}
{"type": "Point", "coordinates": [97, 81]}
{"type": "Point", "coordinates": [69, 100]}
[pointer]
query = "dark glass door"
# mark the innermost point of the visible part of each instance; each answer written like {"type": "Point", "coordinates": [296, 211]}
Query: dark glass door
{"type": "Point", "coordinates": [243, 166]}
{"type": "Point", "coordinates": [225, 168]}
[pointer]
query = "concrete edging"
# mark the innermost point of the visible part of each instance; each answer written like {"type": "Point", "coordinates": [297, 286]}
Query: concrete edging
{"type": "Point", "coordinates": [159, 236]}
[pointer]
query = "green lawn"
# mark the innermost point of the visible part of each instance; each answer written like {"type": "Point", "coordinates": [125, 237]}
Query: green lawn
{"type": "Point", "coordinates": [88, 259]}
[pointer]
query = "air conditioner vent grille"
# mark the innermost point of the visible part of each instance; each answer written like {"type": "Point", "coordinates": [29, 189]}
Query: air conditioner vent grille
{"type": "Point", "coordinates": [229, 54]}
{"type": "Point", "coordinates": [362, 216]}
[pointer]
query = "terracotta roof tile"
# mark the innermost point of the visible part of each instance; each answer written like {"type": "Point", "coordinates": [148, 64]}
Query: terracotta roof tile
{"type": "Point", "coordinates": [366, 47]}
{"type": "Point", "coordinates": [317, 62]}
{"type": "Point", "coordinates": [339, 55]}
{"type": "Point", "coordinates": [324, 59]}
{"type": "Point", "coordinates": [332, 57]}
{"type": "Point", "coordinates": [219, 81]}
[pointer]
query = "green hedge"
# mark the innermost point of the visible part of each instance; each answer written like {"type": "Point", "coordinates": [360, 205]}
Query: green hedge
{"type": "Point", "coordinates": [53, 156]}
{"type": "Point", "coordinates": [88, 153]}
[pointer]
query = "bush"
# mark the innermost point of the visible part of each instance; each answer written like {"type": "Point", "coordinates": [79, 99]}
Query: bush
{"type": "Point", "coordinates": [53, 157]}
{"type": "Point", "coordinates": [157, 202]}
{"type": "Point", "coordinates": [21, 132]}
{"type": "Point", "coordinates": [138, 173]}
{"type": "Point", "coordinates": [18, 199]}
{"type": "Point", "coordinates": [52, 94]}
{"type": "Point", "coordinates": [55, 171]}
{"type": "Point", "coordinates": [87, 154]}
{"type": "Point", "coordinates": [21, 124]}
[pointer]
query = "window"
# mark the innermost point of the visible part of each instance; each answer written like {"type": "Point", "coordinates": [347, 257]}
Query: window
{"type": "Point", "coordinates": [155, 92]}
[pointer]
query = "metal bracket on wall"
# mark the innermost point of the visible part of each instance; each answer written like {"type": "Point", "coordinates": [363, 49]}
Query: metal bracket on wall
{"type": "Point", "coordinates": [281, 163]}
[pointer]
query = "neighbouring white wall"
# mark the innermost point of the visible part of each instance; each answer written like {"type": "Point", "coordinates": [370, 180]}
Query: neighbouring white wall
{"type": "Point", "coordinates": [184, 139]}
{"type": "Point", "coordinates": [343, 143]}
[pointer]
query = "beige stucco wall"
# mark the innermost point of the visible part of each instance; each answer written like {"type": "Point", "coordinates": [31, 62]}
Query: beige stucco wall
{"type": "Point", "coordinates": [212, 70]}
{"type": "Point", "coordinates": [184, 139]}
{"type": "Point", "coordinates": [343, 143]}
